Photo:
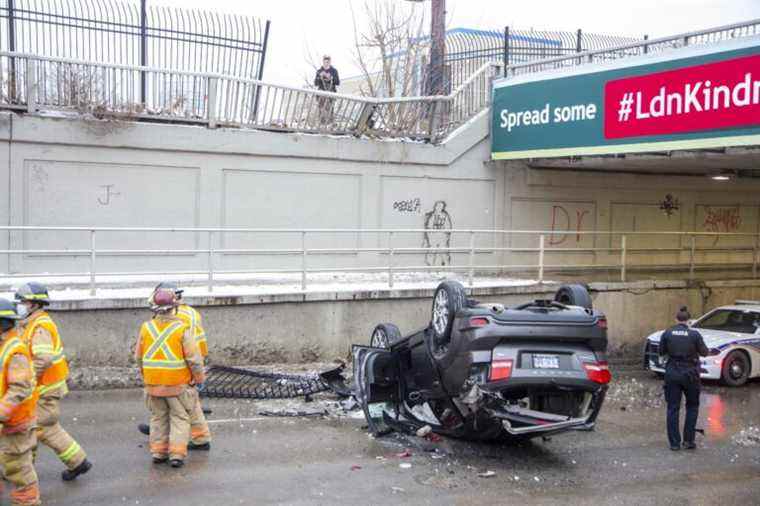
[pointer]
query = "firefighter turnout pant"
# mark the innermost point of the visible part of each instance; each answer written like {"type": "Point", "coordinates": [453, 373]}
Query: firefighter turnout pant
{"type": "Point", "coordinates": [199, 431]}
{"type": "Point", "coordinates": [18, 467]}
{"type": "Point", "coordinates": [170, 424]}
{"type": "Point", "coordinates": [51, 434]}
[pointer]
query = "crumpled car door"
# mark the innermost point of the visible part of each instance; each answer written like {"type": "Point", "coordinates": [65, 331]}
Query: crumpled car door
{"type": "Point", "coordinates": [376, 383]}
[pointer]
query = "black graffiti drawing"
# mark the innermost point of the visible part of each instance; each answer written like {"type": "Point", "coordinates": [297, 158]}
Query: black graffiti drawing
{"type": "Point", "coordinates": [437, 235]}
{"type": "Point", "coordinates": [108, 194]}
{"type": "Point", "coordinates": [408, 206]}
{"type": "Point", "coordinates": [670, 205]}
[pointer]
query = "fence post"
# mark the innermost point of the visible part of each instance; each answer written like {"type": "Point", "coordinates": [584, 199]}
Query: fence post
{"type": "Point", "coordinates": [93, 285]}
{"type": "Point", "coordinates": [472, 258]}
{"type": "Point", "coordinates": [390, 259]}
{"type": "Point", "coordinates": [210, 261]}
{"type": "Point", "coordinates": [31, 86]}
{"type": "Point", "coordinates": [691, 256]}
{"type": "Point", "coordinates": [686, 41]}
{"type": "Point", "coordinates": [541, 259]}
{"type": "Point", "coordinates": [754, 257]}
{"type": "Point", "coordinates": [12, 48]}
{"type": "Point", "coordinates": [623, 252]}
{"type": "Point", "coordinates": [211, 102]}
{"type": "Point", "coordinates": [303, 260]}
{"type": "Point", "coordinates": [143, 48]}
{"type": "Point", "coordinates": [646, 46]}
{"type": "Point", "coordinates": [506, 49]}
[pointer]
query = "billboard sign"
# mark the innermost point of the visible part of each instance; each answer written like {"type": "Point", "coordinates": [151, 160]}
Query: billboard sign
{"type": "Point", "coordinates": [691, 98]}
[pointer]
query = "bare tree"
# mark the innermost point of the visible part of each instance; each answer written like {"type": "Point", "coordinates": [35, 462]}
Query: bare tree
{"type": "Point", "coordinates": [390, 47]}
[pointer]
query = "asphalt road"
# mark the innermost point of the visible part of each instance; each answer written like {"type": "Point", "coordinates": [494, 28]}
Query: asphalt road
{"type": "Point", "coordinates": [259, 460]}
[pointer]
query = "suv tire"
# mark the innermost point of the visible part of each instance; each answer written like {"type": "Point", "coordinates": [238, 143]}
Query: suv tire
{"type": "Point", "coordinates": [449, 298]}
{"type": "Point", "coordinates": [384, 336]}
{"type": "Point", "coordinates": [574, 295]}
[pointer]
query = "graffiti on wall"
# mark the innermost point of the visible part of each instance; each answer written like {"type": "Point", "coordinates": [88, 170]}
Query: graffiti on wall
{"type": "Point", "coordinates": [562, 221]}
{"type": "Point", "coordinates": [438, 225]}
{"type": "Point", "coordinates": [670, 205]}
{"type": "Point", "coordinates": [722, 219]}
{"type": "Point", "coordinates": [408, 206]}
{"type": "Point", "coordinates": [108, 194]}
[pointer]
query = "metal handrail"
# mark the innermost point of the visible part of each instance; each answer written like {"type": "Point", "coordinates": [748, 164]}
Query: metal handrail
{"type": "Point", "coordinates": [624, 251]}
{"type": "Point", "coordinates": [644, 46]}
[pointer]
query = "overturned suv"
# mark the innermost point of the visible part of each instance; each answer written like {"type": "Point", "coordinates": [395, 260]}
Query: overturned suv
{"type": "Point", "coordinates": [485, 371]}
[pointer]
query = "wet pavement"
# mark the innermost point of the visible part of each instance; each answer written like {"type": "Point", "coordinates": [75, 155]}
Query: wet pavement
{"type": "Point", "coordinates": [332, 460]}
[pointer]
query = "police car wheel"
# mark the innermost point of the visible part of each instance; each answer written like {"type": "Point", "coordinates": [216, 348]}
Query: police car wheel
{"type": "Point", "coordinates": [736, 368]}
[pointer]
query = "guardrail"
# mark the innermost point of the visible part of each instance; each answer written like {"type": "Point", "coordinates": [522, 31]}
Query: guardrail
{"type": "Point", "coordinates": [393, 256]}
{"type": "Point", "coordinates": [34, 83]}
{"type": "Point", "coordinates": [709, 36]}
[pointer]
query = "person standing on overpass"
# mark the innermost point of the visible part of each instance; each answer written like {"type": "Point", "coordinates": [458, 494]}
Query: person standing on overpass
{"type": "Point", "coordinates": [682, 346]}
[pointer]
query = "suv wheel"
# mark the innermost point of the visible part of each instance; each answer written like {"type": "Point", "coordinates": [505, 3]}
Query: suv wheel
{"type": "Point", "coordinates": [449, 298]}
{"type": "Point", "coordinates": [384, 335]}
{"type": "Point", "coordinates": [736, 369]}
{"type": "Point", "coordinates": [574, 295]}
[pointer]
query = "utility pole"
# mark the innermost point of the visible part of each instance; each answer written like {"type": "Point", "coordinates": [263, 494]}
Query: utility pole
{"type": "Point", "coordinates": [437, 85]}
{"type": "Point", "coordinates": [143, 48]}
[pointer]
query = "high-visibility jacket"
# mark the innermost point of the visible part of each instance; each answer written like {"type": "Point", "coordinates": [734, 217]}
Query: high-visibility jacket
{"type": "Point", "coordinates": [12, 345]}
{"type": "Point", "coordinates": [56, 374]}
{"type": "Point", "coordinates": [163, 357]}
{"type": "Point", "coordinates": [193, 320]}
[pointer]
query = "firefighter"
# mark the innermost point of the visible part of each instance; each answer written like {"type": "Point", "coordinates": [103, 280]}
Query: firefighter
{"type": "Point", "coordinates": [41, 335]}
{"type": "Point", "coordinates": [18, 399]}
{"type": "Point", "coordinates": [682, 346]}
{"type": "Point", "coordinates": [170, 364]}
{"type": "Point", "coordinates": [200, 435]}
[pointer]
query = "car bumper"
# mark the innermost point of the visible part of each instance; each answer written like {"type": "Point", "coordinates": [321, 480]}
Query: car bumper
{"type": "Point", "coordinates": [710, 367]}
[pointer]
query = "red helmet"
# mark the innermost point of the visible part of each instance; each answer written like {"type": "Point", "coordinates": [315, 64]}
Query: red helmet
{"type": "Point", "coordinates": [163, 300]}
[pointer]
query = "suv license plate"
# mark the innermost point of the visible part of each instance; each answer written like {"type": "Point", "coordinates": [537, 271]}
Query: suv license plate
{"type": "Point", "coordinates": [545, 362]}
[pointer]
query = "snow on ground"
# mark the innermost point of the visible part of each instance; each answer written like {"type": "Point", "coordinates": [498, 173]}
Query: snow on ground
{"type": "Point", "coordinates": [133, 286]}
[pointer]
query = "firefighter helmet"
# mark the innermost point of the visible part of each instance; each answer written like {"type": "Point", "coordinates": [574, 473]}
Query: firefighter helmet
{"type": "Point", "coordinates": [8, 310]}
{"type": "Point", "coordinates": [163, 300]}
{"type": "Point", "coordinates": [169, 285]}
{"type": "Point", "coordinates": [33, 292]}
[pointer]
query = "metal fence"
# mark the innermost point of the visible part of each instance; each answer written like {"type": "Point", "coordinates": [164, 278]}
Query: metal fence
{"type": "Point", "coordinates": [109, 90]}
{"type": "Point", "coordinates": [700, 37]}
{"type": "Point", "coordinates": [511, 252]}
{"type": "Point", "coordinates": [135, 34]}
{"type": "Point", "coordinates": [468, 50]}
{"type": "Point", "coordinates": [31, 82]}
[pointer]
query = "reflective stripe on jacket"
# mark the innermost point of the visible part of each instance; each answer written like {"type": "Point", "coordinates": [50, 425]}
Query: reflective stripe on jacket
{"type": "Point", "coordinates": [192, 318]}
{"type": "Point", "coordinates": [11, 346]}
{"type": "Point", "coordinates": [58, 371]}
{"type": "Point", "coordinates": [163, 357]}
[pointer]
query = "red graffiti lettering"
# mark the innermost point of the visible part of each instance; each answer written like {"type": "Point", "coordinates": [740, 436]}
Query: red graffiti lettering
{"type": "Point", "coordinates": [722, 220]}
{"type": "Point", "coordinates": [555, 241]}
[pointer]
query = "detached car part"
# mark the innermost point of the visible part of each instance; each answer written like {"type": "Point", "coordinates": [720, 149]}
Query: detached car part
{"type": "Point", "coordinates": [237, 383]}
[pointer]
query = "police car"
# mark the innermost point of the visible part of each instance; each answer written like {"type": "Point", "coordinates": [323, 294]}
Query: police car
{"type": "Point", "coordinates": [732, 333]}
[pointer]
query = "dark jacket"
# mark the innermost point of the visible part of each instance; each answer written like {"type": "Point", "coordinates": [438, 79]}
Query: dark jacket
{"type": "Point", "coordinates": [324, 82]}
{"type": "Point", "coordinates": [683, 346]}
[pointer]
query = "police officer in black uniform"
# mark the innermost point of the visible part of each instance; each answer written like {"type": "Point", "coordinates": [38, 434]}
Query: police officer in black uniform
{"type": "Point", "coordinates": [682, 346]}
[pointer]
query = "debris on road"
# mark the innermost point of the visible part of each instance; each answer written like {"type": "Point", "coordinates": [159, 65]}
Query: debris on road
{"type": "Point", "coordinates": [405, 454]}
{"type": "Point", "coordinates": [356, 467]}
{"type": "Point", "coordinates": [747, 437]}
{"type": "Point", "coordinates": [632, 393]}
{"type": "Point", "coordinates": [424, 431]}
{"type": "Point", "coordinates": [238, 383]}
{"type": "Point", "coordinates": [405, 465]}
{"type": "Point", "coordinates": [487, 474]}
{"type": "Point", "coordinates": [286, 413]}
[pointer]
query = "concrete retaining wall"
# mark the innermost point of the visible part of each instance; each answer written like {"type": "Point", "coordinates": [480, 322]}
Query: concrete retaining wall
{"type": "Point", "coordinates": [281, 328]}
{"type": "Point", "coordinates": [63, 171]}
